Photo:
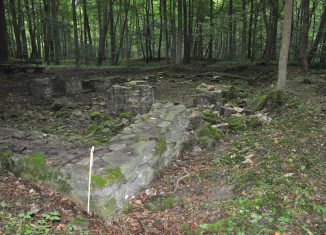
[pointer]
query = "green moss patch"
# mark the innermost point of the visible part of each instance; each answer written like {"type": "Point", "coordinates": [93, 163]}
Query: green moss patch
{"type": "Point", "coordinates": [111, 175]}
{"type": "Point", "coordinates": [126, 115]}
{"type": "Point", "coordinates": [5, 160]}
{"type": "Point", "coordinates": [160, 203]}
{"type": "Point", "coordinates": [34, 167]}
{"type": "Point", "coordinates": [208, 132]}
{"type": "Point", "coordinates": [161, 145]}
{"type": "Point", "coordinates": [209, 116]}
{"type": "Point", "coordinates": [94, 115]}
{"type": "Point", "coordinates": [240, 123]}
{"type": "Point", "coordinates": [271, 100]}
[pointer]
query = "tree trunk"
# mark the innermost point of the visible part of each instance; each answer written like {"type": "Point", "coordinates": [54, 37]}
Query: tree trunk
{"type": "Point", "coordinates": [19, 50]}
{"type": "Point", "coordinates": [231, 31]}
{"type": "Point", "coordinates": [186, 58]}
{"type": "Point", "coordinates": [166, 34]}
{"type": "Point", "coordinates": [3, 35]}
{"type": "Point", "coordinates": [304, 35]}
{"type": "Point", "coordinates": [179, 35]}
{"type": "Point", "coordinates": [21, 26]}
{"type": "Point", "coordinates": [319, 35]}
{"type": "Point", "coordinates": [173, 32]}
{"type": "Point", "coordinates": [55, 31]}
{"type": "Point", "coordinates": [211, 29]}
{"type": "Point", "coordinates": [161, 33]}
{"type": "Point", "coordinates": [250, 29]}
{"type": "Point", "coordinates": [284, 52]}
{"type": "Point", "coordinates": [112, 33]}
{"type": "Point", "coordinates": [31, 31]}
{"type": "Point", "coordinates": [103, 32]}
{"type": "Point", "coordinates": [244, 29]}
{"type": "Point", "coordinates": [74, 17]}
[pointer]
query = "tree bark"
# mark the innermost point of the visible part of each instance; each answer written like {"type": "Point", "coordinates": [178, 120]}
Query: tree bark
{"type": "Point", "coordinates": [166, 33]}
{"type": "Point", "coordinates": [211, 29]}
{"type": "Point", "coordinates": [304, 36]}
{"type": "Point", "coordinates": [55, 31]}
{"type": "Point", "coordinates": [74, 17]}
{"type": "Point", "coordinates": [318, 38]}
{"type": "Point", "coordinates": [112, 33]}
{"type": "Point", "coordinates": [244, 29]}
{"type": "Point", "coordinates": [4, 53]}
{"type": "Point", "coordinates": [179, 34]}
{"type": "Point", "coordinates": [19, 49]}
{"type": "Point", "coordinates": [103, 32]}
{"type": "Point", "coordinates": [284, 52]}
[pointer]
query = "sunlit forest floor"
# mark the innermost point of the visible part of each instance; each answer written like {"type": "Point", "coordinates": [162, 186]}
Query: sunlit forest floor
{"type": "Point", "coordinates": [265, 180]}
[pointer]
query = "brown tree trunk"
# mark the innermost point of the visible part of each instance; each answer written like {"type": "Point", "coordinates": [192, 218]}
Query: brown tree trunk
{"type": "Point", "coordinates": [166, 34]}
{"type": "Point", "coordinates": [244, 29]}
{"type": "Point", "coordinates": [74, 17]}
{"type": "Point", "coordinates": [161, 33]}
{"type": "Point", "coordinates": [103, 32]}
{"type": "Point", "coordinates": [304, 36]}
{"type": "Point", "coordinates": [211, 29]}
{"type": "Point", "coordinates": [173, 32]}
{"type": "Point", "coordinates": [284, 52]}
{"type": "Point", "coordinates": [112, 33]}
{"type": "Point", "coordinates": [179, 34]}
{"type": "Point", "coordinates": [19, 49]}
{"type": "Point", "coordinates": [31, 31]}
{"type": "Point", "coordinates": [3, 35]}
{"type": "Point", "coordinates": [318, 38]}
{"type": "Point", "coordinates": [55, 31]}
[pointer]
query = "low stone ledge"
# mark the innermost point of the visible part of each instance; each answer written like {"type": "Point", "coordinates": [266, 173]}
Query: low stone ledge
{"type": "Point", "coordinates": [121, 169]}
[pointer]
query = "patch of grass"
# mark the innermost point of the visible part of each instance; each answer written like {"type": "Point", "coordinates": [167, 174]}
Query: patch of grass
{"type": "Point", "coordinates": [93, 127]}
{"type": "Point", "coordinates": [209, 116]}
{"type": "Point", "coordinates": [62, 114]}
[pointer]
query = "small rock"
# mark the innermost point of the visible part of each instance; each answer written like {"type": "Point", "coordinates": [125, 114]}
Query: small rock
{"type": "Point", "coordinates": [211, 143]}
{"type": "Point", "coordinates": [238, 109]}
{"type": "Point", "coordinates": [197, 150]}
{"type": "Point", "coordinates": [102, 104]}
{"type": "Point", "coordinates": [138, 202]}
{"type": "Point", "coordinates": [60, 103]}
{"type": "Point", "coordinates": [77, 113]}
{"type": "Point", "coordinates": [181, 163]}
{"type": "Point", "coordinates": [195, 120]}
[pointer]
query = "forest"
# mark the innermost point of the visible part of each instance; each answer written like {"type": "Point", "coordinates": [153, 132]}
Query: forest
{"type": "Point", "coordinates": [163, 117]}
{"type": "Point", "coordinates": [176, 31]}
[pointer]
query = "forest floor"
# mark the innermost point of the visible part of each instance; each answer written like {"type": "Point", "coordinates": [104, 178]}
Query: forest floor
{"type": "Point", "coordinates": [266, 180]}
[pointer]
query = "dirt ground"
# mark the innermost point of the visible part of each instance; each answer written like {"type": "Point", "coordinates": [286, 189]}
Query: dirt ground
{"type": "Point", "coordinates": [197, 187]}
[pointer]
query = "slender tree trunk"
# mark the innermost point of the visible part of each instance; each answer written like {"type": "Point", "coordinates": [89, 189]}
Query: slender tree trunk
{"type": "Point", "coordinates": [179, 35]}
{"type": "Point", "coordinates": [244, 29]}
{"type": "Point", "coordinates": [4, 56]}
{"type": "Point", "coordinates": [55, 30]}
{"type": "Point", "coordinates": [166, 34]}
{"type": "Point", "coordinates": [250, 29]}
{"type": "Point", "coordinates": [161, 33]}
{"type": "Point", "coordinates": [284, 52]}
{"type": "Point", "coordinates": [173, 32]}
{"type": "Point", "coordinates": [19, 49]}
{"type": "Point", "coordinates": [211, 29]}
{"type": "Point", "coordinates": [231, 31]}
{"type": "Point", "coordinates": [304, 35]}
{"type": "Point", "coordinates": [74, 17]}
{"type": "Point", "coordinates": [319, 35]}
{"type": "Point", "coordinates": [103, 32]}
{"type": "Point", "coordinates": [112, 33]}
{"type": "Point", "coordinates": [31, 31]}
{"type": "Point", "coordinates": [186, 59]}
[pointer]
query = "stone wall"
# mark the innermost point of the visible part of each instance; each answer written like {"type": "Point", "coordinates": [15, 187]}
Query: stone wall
{"type": "Point", "coordinates": [136, 97]}
{"type": "Point", "coordinates": [121, 168]}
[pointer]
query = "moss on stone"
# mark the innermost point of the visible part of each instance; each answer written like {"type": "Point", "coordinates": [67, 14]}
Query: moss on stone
{"type": "Point", "coordinates": [110, 206]}
{"type": "Point", "coordinates": [6, 160]}
{"type": "Point", "coordinates": [138, 139]}
{"type": "Point", "coordinates": [111, 175]}
{"type": "Point", "coordinates": [35, 167]}
{"type": "Point", "coordinates": [210, 132]}
{"type": "Point", "coordinates": [271, 99]}
{"type": "Point", "coordinates": [93, 128]}
{"type": "Point", "coordinates": [240, 123]}
{"type": "Point", "coordinates": [209, 116]}
{"type": "Point", "coordinates": [161, 145]}
{"type": "Point", "coordinates": [126, 115]}
{"type": "Point", "coordinates": [94, 115]}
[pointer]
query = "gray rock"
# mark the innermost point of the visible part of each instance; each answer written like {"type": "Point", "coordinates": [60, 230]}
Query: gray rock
{"type": "Point", "coordinates": [136, 97]}
{"type": "Point", "coordinates": [181, 163]}
{"type": "Point", "coordinates": [211, 143]}
{"type": "Point", "coordinates": [208, 97]}
{"type": "Point", "coordinates": [195, 120]}
{"type": "Point", "coordinates": [41, 88]}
